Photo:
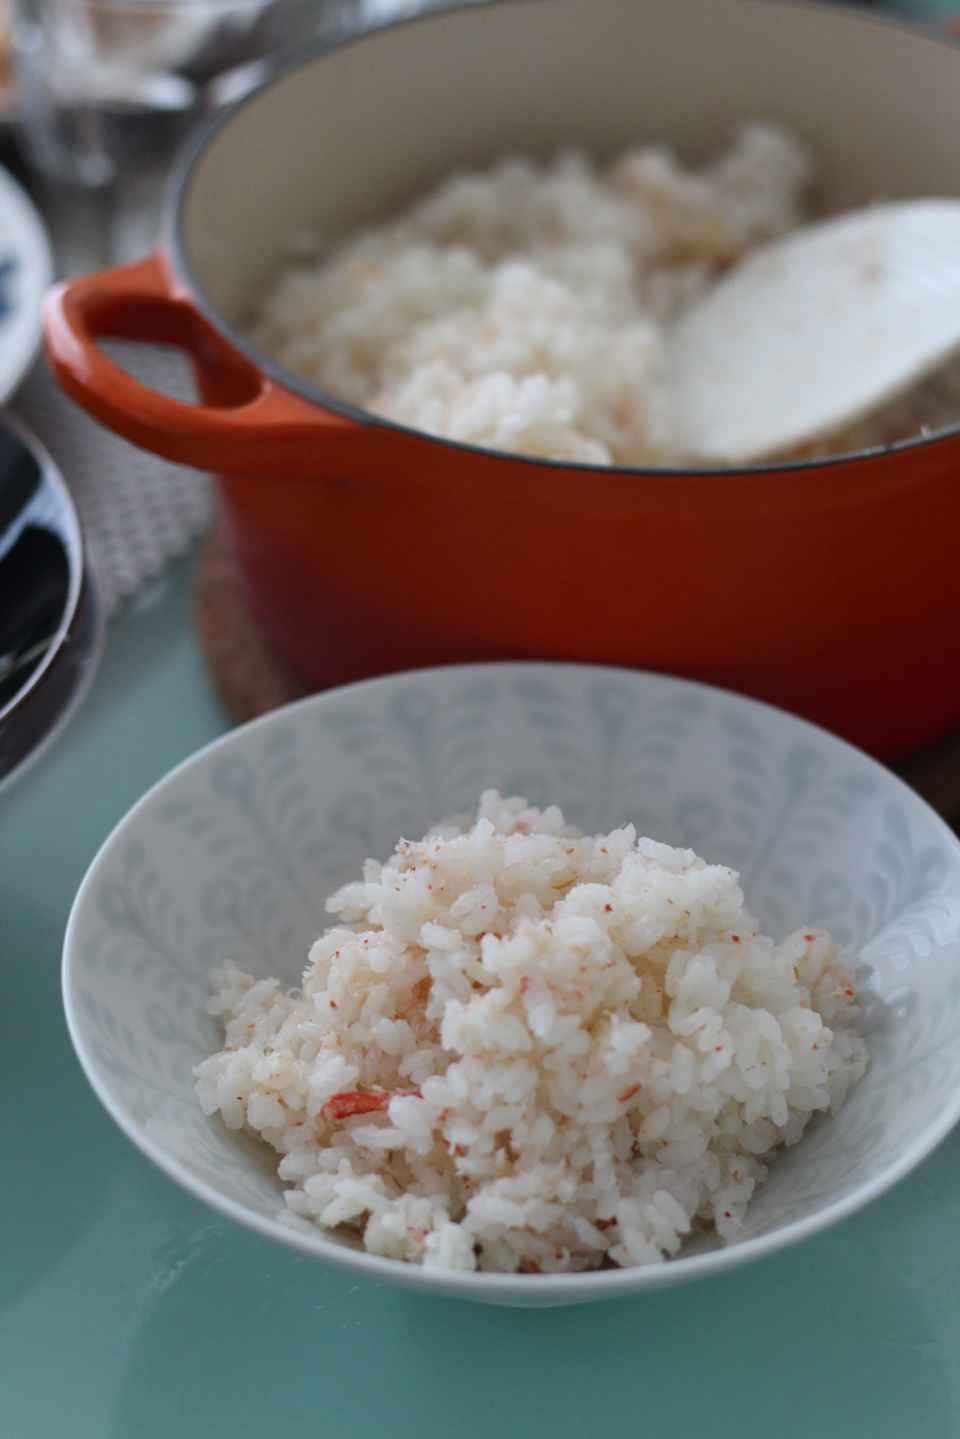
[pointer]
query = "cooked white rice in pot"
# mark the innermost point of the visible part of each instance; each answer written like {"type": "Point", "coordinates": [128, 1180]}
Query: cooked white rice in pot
{"type": "Point", "coordinates": [523, 1049]}
{"type": "Point", "coordinates": [523, 308]}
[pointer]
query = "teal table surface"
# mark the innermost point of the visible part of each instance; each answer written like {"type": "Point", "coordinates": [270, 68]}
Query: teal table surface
{"type": "Point", "coordinates": [128, 1311]}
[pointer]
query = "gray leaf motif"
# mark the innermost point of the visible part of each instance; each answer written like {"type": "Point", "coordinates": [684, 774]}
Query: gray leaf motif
{"type": "Point", "coordinates": [610, 705]}
{"type": "Point", "coordinates": [144, 928]}
{"type": "Point", "coordinates": [462, 761]}
{"type": "Point", "coordinates": [273, 798]}
{"type": "Point", "coordinates": [916, 1029]}
{"type": "Point", "coordinates": [179, 1036]}
{"type": "Point", "coordinates": [731, 828]}
{"type": "Point", "coordinates": [561, 737]}
{"type": "Point", "coordinates": [404, 765]}
{"type": "Point", "coordinates": [143, 1074]}
{"type": "Point", "coordinates": [834, 905]}
{"type": "Point", "coordinates": [369, 743]}
{"type": "Point", "coordinates": [906, 884]}
{"type": "Point", "coordinates": [795, 778]}
{"type": "Point", "coordinates": [445, 738]}
{"type": "Point", "coordinates": [414, 711]}
{"type": "Point", "coordinates": [210, 1151]}
{"type": "Point", "coordinates": [644, 750]}
{"type": "Point", "coordinates": [250, 915]}
{"type": "Point", "coordinates": [828, 1172]}
{"type": "Point", "coordinates": [740, 750]}
{"type": "Point", "coordinates": [813, 801]}
{"type": "Point", "coordinates": [255, 822]}
{"type": "Point", "coordinates": [350, 834]}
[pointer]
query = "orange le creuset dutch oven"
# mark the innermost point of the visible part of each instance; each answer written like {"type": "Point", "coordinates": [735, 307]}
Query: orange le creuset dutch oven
{"type": "Point", "coordinates": [832, 588]}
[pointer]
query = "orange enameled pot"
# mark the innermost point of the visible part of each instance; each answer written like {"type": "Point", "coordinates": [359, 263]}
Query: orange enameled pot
{"type": "Point", "coordinates": [830, 588]}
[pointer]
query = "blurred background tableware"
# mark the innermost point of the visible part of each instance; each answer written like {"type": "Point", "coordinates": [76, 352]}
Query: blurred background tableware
{"type": "Point", "coordinates": [49, 617]}
{"type": "Point", "coordinates": [101, 92]}
{"type": "Point", "coordinates": [25, 275]}
{"type": "Point", "coordinates": [6, 67]}
{"type": "Point", "coordinates": [107, 90]}
{"type": "Point", "coordinates": [137, 514]}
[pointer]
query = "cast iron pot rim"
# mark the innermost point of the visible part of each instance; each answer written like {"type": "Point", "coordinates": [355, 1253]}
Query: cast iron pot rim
{"type": "Point", "coordinates": [174, 245]}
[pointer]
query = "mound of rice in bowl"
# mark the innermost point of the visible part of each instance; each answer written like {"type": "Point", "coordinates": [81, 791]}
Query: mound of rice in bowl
{"type": "Point", "coordinates": [527, 1049]}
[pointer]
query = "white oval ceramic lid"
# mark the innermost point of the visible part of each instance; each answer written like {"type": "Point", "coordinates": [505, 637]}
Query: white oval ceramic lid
{"type": "Point", "coordinates": [26, 272]}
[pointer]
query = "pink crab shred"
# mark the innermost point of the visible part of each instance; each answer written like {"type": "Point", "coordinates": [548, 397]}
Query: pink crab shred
{"type": "Point", "coordinates": [360, 1101]}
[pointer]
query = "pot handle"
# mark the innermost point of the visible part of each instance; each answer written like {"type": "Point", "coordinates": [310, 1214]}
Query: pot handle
{"type": "Point", "coordinates": [260, 424]}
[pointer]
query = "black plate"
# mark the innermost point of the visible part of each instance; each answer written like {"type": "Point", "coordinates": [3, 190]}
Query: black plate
{"type": "Point", "coordinates": [49, 620]}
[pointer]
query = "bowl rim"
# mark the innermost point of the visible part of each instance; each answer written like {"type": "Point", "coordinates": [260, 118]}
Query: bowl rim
{"type": "Point", "coordinates": [288, 63]}
{"type": "Point", "coordinates": [492, 1287]}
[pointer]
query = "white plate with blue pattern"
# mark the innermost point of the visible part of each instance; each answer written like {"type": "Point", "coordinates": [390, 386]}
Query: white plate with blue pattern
{"type": "Point", "coordinates": [26, 273]}
{"type": "Point", "coordinates": [233, 854]}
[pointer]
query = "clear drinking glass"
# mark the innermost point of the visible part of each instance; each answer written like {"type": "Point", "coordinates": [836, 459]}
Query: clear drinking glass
{"type": "Point", "coordinates": [108, 89]}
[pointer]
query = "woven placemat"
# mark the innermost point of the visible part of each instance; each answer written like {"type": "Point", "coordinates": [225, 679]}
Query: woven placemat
{"type": "Point", "coordinates": [250, 680]}
{"type": "Point", "coordinates": [138, 512]}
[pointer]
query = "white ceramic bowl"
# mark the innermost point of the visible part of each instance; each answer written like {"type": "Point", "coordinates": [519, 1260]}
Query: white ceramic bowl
{"type": "Point", "coordinates": [234, 853]}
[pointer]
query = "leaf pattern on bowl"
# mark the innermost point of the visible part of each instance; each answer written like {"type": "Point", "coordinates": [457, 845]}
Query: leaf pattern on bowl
{"type": "Point", "coordinates": [234, 855]}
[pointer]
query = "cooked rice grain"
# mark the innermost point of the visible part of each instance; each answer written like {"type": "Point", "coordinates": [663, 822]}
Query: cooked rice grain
{"type": "Point", "coordinates": [525, 1049]}
{"type": "Point", "coordinates": [523, 308]}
